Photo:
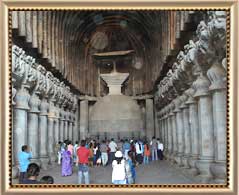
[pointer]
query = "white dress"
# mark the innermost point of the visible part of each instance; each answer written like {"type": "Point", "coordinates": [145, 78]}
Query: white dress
{"type": "Point", "coordinates": [118, 172]}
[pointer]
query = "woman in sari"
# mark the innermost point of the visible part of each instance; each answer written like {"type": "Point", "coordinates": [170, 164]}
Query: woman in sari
{"type": "Point", "coordinates": [66, 168]}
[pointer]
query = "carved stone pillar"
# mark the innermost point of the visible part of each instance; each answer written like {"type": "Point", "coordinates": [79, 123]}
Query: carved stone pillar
{"type": "Point", "coordinates": [75, 129]}
{"type": "Point", "coordinates": [174, 135]}
{"type": "Point", "coordinates": [33, 128]}
{"type": "Point", "coordinates": [62, 122]}
{"type": "Point", "coordinates": [66, 125]}
{"type": "Point", "coordinates": [166, 132]}
{"type": "Point", "coordinates": [43, 138]}
{"type": "Point", "coordinates": [156, 122]}
{"type": "Point", "coordinates": [20, 119]}
{"type": "Point", "coordinates": [194, 127]}
{"type": "Point", "coordinates": [216, 75]}
{"type": "Point", "coordinates": [57, 124]}
{"type": "Point", "coordinates": [84, 118]}
{"type": "Point", "coordinates": [51, 120]}
{"type": "Point", "coordinates": [187, 134]}
{"type": "Point", "coordinates": [206, 128]}
{"type": "Point", "coordinates": [170, 134]}
{"type": "Point", "coordinates": [149, 118]}
{"type": "Point", "coordinates": [179, 122]}
{"type": "Point", "coordinates": [75, 119]}
{"type": "Point", "coordinates": [70, 127]}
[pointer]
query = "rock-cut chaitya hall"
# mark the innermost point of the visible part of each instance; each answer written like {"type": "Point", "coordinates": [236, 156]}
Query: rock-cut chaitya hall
{"type": "Point", "coordinates": [81, 74]}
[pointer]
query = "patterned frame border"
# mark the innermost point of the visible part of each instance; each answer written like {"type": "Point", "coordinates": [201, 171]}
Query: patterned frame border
{"type": "Point", "coordinates": [222, 187]}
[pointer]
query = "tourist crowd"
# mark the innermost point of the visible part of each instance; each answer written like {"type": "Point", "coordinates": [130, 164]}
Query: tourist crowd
{"type": "Point", "coordinates": [124, 156]}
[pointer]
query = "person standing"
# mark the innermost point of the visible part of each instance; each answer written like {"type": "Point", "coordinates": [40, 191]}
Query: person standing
{"type": "Point", "coordinates": [160, 149]}
{"type": "Point", "coordinates": [113, 149]}
{"type": "Point", "coordinates": [120, 145]}
{"type": "Point", "coordinates": [57, 150]}
{"type": "Point", "coordinates": [154, 149]}
{"type": "Point", "coordinates": [23, 161]}
{"type": "Point", "coordinates": [119, 172]}
{"type": "Point", "coordinates": [130, 169]}
{"type": "Point", "coordinates": [70, 148]}
{"type": "Point", "coordinates": [139, 152]}
{"type": "Point", "coordinates": [126, 148]}
{"type": "Point", "coordinates": [66, 167]}
{"type": "Point", "coordinates": [76, 146]}
{"type": "Point", "coordinates": [104, 155]}
{"type": "Point", "coordinates": [83, 155]}
{"type": "Point", "coordinates": [146, 153]}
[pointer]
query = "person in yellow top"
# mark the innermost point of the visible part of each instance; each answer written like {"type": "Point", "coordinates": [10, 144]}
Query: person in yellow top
{"type": "Point", "coordinates": [146, 153]}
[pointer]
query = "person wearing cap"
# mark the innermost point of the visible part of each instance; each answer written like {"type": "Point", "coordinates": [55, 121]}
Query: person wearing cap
{"type": "Point", "coordinates": [118, 173]}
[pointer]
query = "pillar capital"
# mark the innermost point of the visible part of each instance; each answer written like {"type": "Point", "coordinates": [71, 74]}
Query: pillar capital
{"type": "Point", "coordinates": [177, 102]}
{"type": "Point", "coordinates": [201, 85]}
{"type": "Point", "coordinates": [22, 98]}
{"type": "Point", "coordinates": [184, 98]}
{"type": "Point", "coordinates": [216, 75]}
{"type": "Point", "coordinates": [190, 93]}
{"type": "Point", "coordinates": [34, 103]}
{"type": "Point", "coordinates": [44, 107]}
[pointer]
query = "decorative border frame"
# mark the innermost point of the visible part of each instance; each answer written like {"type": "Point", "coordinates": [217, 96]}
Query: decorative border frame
{"type": "Point", "coordinates": [5, 120]}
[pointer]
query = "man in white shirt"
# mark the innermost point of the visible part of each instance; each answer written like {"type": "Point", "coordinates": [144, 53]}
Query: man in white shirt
{"type": "Point", "coordinates": [139, 152]}
{"type": "Point", "coordinates": [113, 149]}
{"type": "Point", "coordinates": [160, 150]}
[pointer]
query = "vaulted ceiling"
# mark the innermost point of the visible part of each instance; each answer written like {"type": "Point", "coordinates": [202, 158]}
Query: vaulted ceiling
{"type": "Point", "coordinates": [65, 41]}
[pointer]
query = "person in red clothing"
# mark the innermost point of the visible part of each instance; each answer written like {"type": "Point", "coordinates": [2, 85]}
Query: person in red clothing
{"type": "Point", "coordinates": [83, 155]}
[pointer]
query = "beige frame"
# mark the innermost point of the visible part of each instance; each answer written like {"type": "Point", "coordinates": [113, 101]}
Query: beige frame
{"type": "Point", "coordinates": [5, 118]}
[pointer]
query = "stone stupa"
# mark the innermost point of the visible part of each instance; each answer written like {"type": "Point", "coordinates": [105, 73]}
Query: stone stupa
{"type": "Point", "coordinates": [115, 115]}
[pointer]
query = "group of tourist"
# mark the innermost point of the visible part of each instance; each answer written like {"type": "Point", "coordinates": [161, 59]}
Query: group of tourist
{"type": "Point", "coordinates": [123, 155]}
{"type": "Point", "coordinates": [30, 171]}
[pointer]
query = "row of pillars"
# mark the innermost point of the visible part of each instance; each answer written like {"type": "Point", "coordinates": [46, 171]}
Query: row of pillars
{"type": "Point", "coordinates": [193, 128]}
{"type": "Point", "coordinates": [41, 123]}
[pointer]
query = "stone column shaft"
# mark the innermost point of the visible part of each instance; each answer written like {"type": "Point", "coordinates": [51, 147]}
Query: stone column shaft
{"type": "Point", "coordinates": [33, 130]}
{"type": "Point", "coordinates": [206, 128]}
{"type": "Point", "coordinates": [149, 118]}
{"type": "Point", "coordinates": [175, 141]}
{"type": "Point", "coordinates": [170, 140]}
{"type": "Point", "coordinates": [20, 120]}
{"type": "Point", "coordinates": [187, 137]}
{"type": "Point", "coordinates": [194, 127]}
{"type": "Point", "coordinates": [84, 118]}
{"type": "Point", "coordinates": [43, 133]}
{"type": "Point", "coordinates": [70, 130]}
{"type": "Point", "coordinates": [51, 142]}
{"type": "Point", "coordinates": [62, 123]}
{"type": "Point", "coordinates": [166, 134]}
{"type": "Point", "coordinates": [217, 76]}
{"type": "Point", "coordinates": [179, 121]}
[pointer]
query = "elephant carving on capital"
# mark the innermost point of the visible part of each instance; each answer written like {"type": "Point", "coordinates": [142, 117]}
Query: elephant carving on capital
{"type": "Point", "coordinates": [41, 85]}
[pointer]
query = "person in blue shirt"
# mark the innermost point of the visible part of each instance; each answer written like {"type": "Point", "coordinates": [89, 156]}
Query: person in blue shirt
{"type": "Point", "coordinates": [24, 160]}
{"type": "Point", "coordinates": [126, 148]}
{"type": "Point", "coordinates": [130, 168]}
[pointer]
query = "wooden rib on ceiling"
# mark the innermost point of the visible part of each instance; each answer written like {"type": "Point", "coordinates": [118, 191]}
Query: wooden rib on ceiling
{"type": "Point", "coordinates": [60, 37]}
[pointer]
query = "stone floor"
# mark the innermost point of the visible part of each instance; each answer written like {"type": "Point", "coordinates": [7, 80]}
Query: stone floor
{"type": "Point", "coordinates": [157, 172]}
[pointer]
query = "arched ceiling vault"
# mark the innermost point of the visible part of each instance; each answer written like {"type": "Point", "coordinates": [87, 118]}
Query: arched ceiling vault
{"type": "Point", "coordinates": [69, 38]}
